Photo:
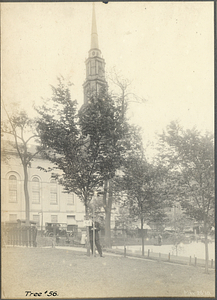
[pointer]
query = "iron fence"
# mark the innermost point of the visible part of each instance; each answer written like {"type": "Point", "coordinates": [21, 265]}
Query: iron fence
{"type": "Point", "coordinates": [19, 235]}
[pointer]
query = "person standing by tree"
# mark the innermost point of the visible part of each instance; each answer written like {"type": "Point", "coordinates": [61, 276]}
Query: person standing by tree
{"type": "Point", "coordinates": [97, 240]}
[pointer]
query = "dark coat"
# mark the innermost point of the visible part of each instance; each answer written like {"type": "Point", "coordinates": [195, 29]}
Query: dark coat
{"type": "Point", "coordinates": [97, 229]}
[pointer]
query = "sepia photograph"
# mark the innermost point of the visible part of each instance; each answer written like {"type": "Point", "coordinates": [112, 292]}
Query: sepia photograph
{"type": "Point", "coordinates": [107, 150]}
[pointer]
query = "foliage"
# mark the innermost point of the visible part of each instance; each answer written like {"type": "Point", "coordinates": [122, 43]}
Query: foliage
{"type": "Point", "coordinates": [86, 146]}
{"type": "Point", "coordinates": [190, 156]}
{"type": "Point", "coordinates": [144, 187]}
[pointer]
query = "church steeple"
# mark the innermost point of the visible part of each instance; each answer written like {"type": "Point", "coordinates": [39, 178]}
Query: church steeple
{"type": "Point", "coordinates": [94, 35]}
{"type": "Point", "coordinates": [95, 64]}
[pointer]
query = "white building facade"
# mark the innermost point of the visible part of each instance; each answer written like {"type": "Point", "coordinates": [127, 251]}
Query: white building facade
{"type": "Point", "coordinates": [48, 202]}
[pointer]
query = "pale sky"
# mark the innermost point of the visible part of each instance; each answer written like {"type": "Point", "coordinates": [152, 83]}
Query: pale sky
{"type": "Point", "coordinates": [165, 48]}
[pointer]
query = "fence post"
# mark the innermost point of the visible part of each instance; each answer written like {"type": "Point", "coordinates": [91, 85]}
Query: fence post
{"type": "Point", "coordinates": [190, 260]}
{"type": "Point", "coordinates": [13, 237]}
{"type": "Point", "coordinates": [26, 236]}
{"type": "Point", "coordinates": [10, 237]}
{"type": "Point", "coordinates": [169, 257]}
{"type": "Point", "coordinates": [195, 261]}
{"type": "Point", "coordinates": [125, 251]}
{"type": "Point", "coordinates": [17, 236]}
{"type": "Point", "coordinates": [32, 236]}
{"type": "Point", "coordinates": [159, 256]}
{"type": "Point", "coordinates": [23, 237]}
{"type": "Point", "coordinates": [211, 263]}
{"type": "Point", "coordinates": [148, 252]}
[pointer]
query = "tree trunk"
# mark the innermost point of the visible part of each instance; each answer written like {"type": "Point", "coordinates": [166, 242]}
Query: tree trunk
{"type": "Point", "coordinates": [108, 229]}
{"type": "Point", "coordinates": [206, 247]}
{"type": "Point", "coordinates": [26, 193]}
{"type": "Point", "coordinates": [142, 234]}
{"type": "Point", "coordinates": [107, 204]}
{"type": "Point", "coordinates": [87, 229]}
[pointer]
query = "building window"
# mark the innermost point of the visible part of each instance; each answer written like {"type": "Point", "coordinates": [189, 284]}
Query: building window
{"type": "Point", "coordinates": [35, 190]}
{"type": "Point", "coordinates": [71, 200]}
{"type": "Point", "coordinates": [93, 67]}
{"type": "Point", "coordinates": [71, 220]}
{"type": "Point", "coordinates": [36, 218]}
{"type": "Point", "coordinates": [12, 188]}
{"type": "Point", "coordinates": [54, 218]}
{"type": "Point", "coordinates": [12, 217]}
{"type": "Point", "coordinates": [97, 66]}
{"type": "Point", "coordinates": [100, 68]}
{"type": "Point", "coordinates": [53, 191]}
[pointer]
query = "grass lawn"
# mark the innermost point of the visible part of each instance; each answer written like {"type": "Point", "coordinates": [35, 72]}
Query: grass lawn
{"type": "Point", "coordinates": [73, 274]}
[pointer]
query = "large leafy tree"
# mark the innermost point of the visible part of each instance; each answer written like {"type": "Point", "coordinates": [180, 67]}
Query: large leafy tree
{"type": "Point", "coordinates": [190, 156]}
{"type": "Point", "coordinates": [86, 145]}
{"type": "Point", "coordinates": [22, 129]}
{"type": "Point", "coordinates": [145, 189]}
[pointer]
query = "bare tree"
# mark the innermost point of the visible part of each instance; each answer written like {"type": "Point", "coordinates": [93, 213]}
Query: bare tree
{"type": "Point", "coordinates": [21, 128]}
{"type": "Point", "coordinates": [123, 98]}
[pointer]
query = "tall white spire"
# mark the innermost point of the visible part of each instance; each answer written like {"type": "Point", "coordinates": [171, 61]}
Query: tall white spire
{"type": "Point", "coordinates": [94, 35]}
{"type": "Point", "coordinates": [95, 65]}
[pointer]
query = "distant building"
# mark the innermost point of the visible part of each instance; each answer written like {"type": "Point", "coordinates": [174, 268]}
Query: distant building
{"type": "Point", "coordinates": [48, 202]}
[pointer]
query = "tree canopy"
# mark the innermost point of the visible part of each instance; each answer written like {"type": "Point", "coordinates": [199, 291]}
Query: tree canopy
{"type": "Point", "coordinates": [86, 145]}
{"type": "Point", "coordinates": [189, 155]}
{"type": "Point", "coordinates": [144, 185]}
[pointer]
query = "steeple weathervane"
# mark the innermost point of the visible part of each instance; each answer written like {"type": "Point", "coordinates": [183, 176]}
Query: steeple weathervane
{"type": "Point", "coordinates": [94, 35]}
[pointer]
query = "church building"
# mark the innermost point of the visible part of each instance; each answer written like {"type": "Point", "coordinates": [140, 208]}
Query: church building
{"type": "Point", "coordinates": [48, 202]}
